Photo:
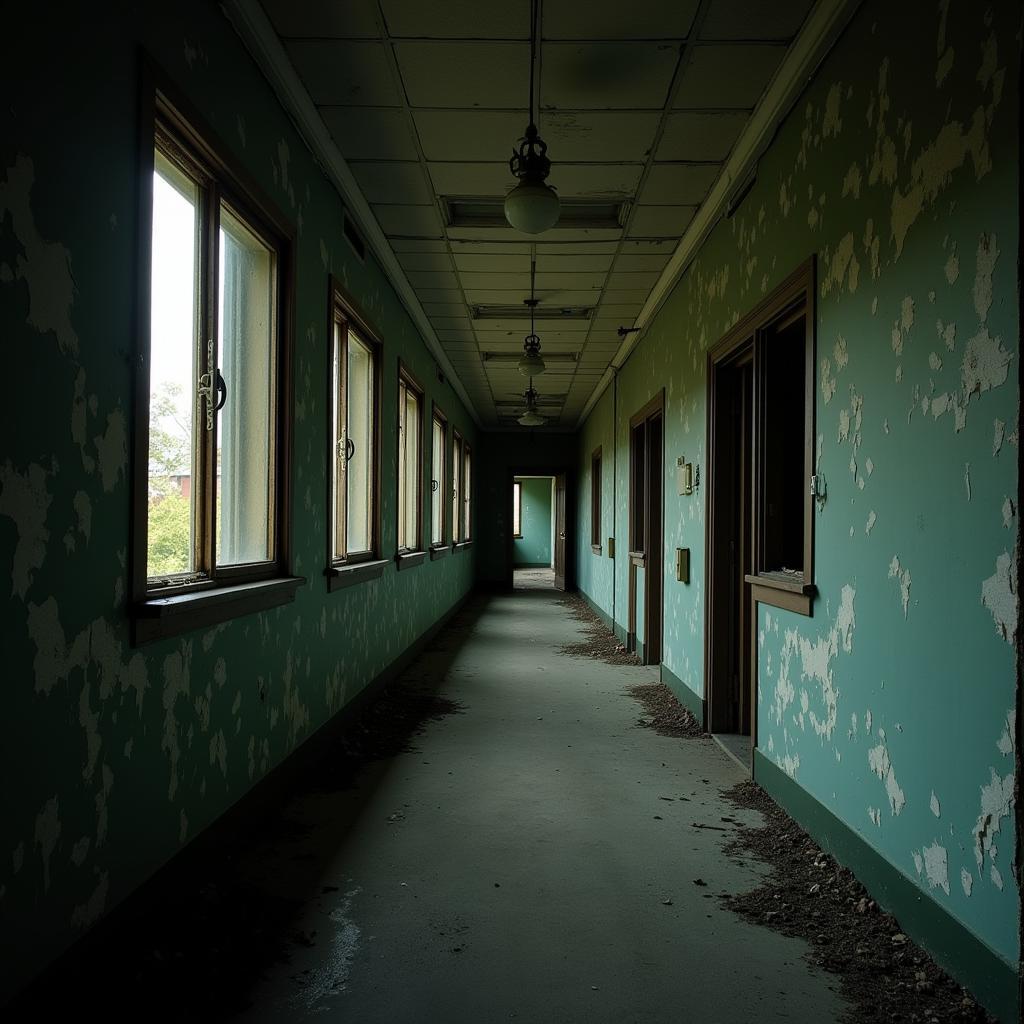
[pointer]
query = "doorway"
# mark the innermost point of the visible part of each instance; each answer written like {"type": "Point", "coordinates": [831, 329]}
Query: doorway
{"type": "Point", "coordinates": [646, 533]}
{"type": "Point", "coordinates": [538, 532]}
{"type": "Point", "coordinates": [730, 696]}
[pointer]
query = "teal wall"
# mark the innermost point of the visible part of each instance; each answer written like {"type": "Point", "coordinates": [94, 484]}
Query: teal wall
{"type": "Point", "coordinates": [123, 755]}
{"type": "Point", "coordinates": [894, 704]}
{"type": "Point", "coordinates": [534, 546]}
{"type": "Point", "coordinates": [595, 571]}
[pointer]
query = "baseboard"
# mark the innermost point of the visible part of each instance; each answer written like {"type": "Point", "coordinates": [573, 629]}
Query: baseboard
{"type": "Point", "coordinates": [991, 979]}
{"type": "Point", "coordinates": [598, 611]}
{"type": "Point", "coordinates": [690, 700]}
{"type": "Point", "coordinates": [253, 805]}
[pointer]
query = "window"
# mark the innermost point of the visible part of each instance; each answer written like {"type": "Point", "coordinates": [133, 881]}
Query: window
{"type": "Point", "coordinates": [354, 447]}
{"type": "Point", "coordinates": [439, 437]}
{"type": "Point", "coordinates": [467, 493]}
{"type": "Point", "coordinates": [410, 419]}
{"type": "Point", "coordinates": [517, 509]}
{"type": "Point", "coordinates": [595, 501]}
{"type": "Point", "coordinates": [211, 464]}
{"type": "Point", "coordinates": [458, 468]}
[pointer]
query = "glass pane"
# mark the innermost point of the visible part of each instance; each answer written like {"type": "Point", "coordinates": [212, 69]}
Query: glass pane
{"type": "Point", "coordinates": [456, 488]}
{"type": "Point", "coordinates": [360, 445]}
{"type": "Point", "coordinates": [172, 374]}
{"type": "Point", "coordinates": [437, 485]}
{"type": "Point", "coordinates": [338, 448]}
{"type": "Point", "coordinates": [246, 425]}
{"type": "Point", "coordinates": [517, 497]}
{"type": "Point", "coordinates": [466, 496]}
{"type": "Point", "coordinates": [410, 496]}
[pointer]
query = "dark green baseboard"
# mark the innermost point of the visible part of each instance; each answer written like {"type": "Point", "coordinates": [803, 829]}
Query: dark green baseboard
{"type": "Point", "coordinates": [690, 700]}
{"type": "Point", "coordinates": [991, 979]}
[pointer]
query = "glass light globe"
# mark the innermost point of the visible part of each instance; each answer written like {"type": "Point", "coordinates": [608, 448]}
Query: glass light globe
{"type": "Point", "coordinates": [531, 364]}
{"type": "Point", "coordinates": [532, 418]}
{"type": "Point", "coordinates": [532, 207]}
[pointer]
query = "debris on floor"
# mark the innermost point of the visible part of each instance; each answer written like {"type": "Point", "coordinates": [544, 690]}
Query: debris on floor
{"type": "Point", "coordinates": [882, 974]}
{"type": "Point", "coordinates": [663, 713]}
{"type": "Point", "coordinates": [600, 643]}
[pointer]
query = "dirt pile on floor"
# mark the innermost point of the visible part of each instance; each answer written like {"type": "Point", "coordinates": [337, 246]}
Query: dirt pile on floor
{"type": "Point", "coordinates": [882, 974]}
{"type": "Point", "coordinates": [599, 643]}
{"type": "Point", "coordinates": [663, 713]}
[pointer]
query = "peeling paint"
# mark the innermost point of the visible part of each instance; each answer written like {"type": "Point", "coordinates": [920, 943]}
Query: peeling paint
{"type": "Point", "coordinates": [902, 574]}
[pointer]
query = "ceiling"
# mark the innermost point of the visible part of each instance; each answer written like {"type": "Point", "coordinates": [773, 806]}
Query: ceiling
{"type": "Point", "coordinates": [640, 105]}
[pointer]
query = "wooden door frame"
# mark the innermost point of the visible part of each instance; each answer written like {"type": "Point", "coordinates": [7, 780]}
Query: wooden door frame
{"type": "Point", "coordinates": [511, 475]}
{"type": "Point", "coordinates": [654, 408]}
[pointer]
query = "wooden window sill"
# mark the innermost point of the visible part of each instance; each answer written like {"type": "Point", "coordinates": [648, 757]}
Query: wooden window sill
{"type": "Point", "coordinates": [596, 548]}
{"type": "Point", "coordinates": [160, 617]}
{"type": "Point", "coordinates": [438, 551]}
{"type": "Point", "coordinates": [794, 596]}
{"type": "Point", "coordinates": [462, 545]}
{"type": "Point", "coordinates": [409, 559]}
{"type": "Point", "coordinates": [638, 558]}
{"type": "Point", "coordinates": [341, 576]}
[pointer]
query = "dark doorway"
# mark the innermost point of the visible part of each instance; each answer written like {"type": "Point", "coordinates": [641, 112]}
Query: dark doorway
{"type": "Point", "coordinates": [560, 531]}
{"type": "Point", "coordinates": [646, 536]}
{"type": "Point", "coordinates": [730, 696]}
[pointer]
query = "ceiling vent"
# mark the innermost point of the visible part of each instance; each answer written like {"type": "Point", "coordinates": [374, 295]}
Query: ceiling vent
{"type": "Point", "coordinates": [487, 212]}
{"type": "Point", "coordinates": [514, 357]}
{"type": "Point", "coordinates": [542, 312]}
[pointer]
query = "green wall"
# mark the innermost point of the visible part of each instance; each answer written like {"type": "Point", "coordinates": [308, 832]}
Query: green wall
{"type": "Point", "coordinates": [533, 547]}
{"type": "Point", "coordinates": [123, 755]}
{"type": "Point", "coordinates": [894, 704]}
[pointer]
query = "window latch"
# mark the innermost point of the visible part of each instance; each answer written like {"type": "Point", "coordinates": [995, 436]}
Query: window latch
{"type": "Point", "coordinates": [210, 383]}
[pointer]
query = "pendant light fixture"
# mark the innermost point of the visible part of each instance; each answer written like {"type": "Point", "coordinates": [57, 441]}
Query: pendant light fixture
{"type": "Point", "coordinates": [532, 206]}
{"type": "Point", "coordinates": [531, 364]}
{"type": "Point", "coordinates": [531, 417]}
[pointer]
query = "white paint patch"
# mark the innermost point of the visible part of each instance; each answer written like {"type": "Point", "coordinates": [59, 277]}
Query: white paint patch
{"type": "Point", "coordinates": [876, 816]}
{"type": "Point", "coordinates": [83, 510]}
{"type": "Point", "coordinates": [966, 881]}
{"type": "Point", "coordinates": [80, 851]}
{"type": "Point", "coordinates": [1008, 513]}
{"type": "Point", "coordinates": [89, 912]}
{"type": "Point", "coordinates": [998, 432]}
{"type": "Point", "coordinates": [47, 833]}
{"type": "Point", "coordinates": [112, 449]}
{"type": "Point", "coordinates": [918, 861]}
{"type": "Point", "coordinates": [967, 479]}
{"type": "Point", "coordinates": [1007, 740]}
{"type": "Point", "coordinates": [996, 801]}
{"type": "Point", "coordinates": [898, 572]}
{"type": "Point", "coordinates": [936, 809]}
{"type": "Point", "coordinates": [952, 268]}
{"type": "Point", "coordinates": [219, 752]}
{"type": "Point", "coordinates": [986, 364]}
{"type": "Point", "coordinates": [934, 362]}
{"type": "Point", "coordinates": [25, 501]}
{"type": "Point", "coordinates": [880, 763]}
{"type": "Point", "coordinates": [998, 595]}
{"type": "Point", "coordinates": [986, 257]}
{"type": "Point", "coordinates": [936, 867]}
{"type": "Point", "coordinates": [44, 266]}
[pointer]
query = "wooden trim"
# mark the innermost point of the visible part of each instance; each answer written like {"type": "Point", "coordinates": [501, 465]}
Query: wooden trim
{"type": "Point", "coordinates": [596, 548]}
{"type": "Point", "coordinates": [655, 405]}
{"type": "Point", "coordinates": [792, 601]}
{"type": "Point", "coordinates": [410, 559]}
{"type": "Point", "coordinates": [340, 577]}
{"type": "Point", "coordinates": [517, 513]}
{"type": "Point", "coordinates": [467, 492]}
{"type": "Point", "coordinates": [595, 499]}
{"type": "Point", "coordinates": [437, 413]}
{"type": "Point", "coordinates": [456, 494]}
{"type": "Point", "coordinates": [439, 551]}
{"type": "Point", "coordinates": [411, 382]}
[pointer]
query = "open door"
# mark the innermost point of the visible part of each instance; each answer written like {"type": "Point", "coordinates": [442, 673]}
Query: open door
{"type": "Point", "coordinates": [560, 531]}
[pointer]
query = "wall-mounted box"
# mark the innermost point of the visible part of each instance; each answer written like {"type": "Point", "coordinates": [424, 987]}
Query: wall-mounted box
{"type": "Point", "coordinates": [683, 565]}
{"type": "Point", "coordinates": [611, 547]}
{"type": "Point", "coordinates": [684, 476]}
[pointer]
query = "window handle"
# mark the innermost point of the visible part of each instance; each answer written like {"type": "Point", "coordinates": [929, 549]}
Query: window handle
{"type": "Point", "coordinates": [434, 485]}
{"type": "Point", "coordinates": [223, 389]}
{"type": "Point", "coordinates": [350, 449]}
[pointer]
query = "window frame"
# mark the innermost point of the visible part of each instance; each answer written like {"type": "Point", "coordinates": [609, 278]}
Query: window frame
{"type": "Point", "coordinates": [439, 548]}
{"type": "Point", "coordinates": [458, 467]}
{"type": "Point", "coordinates": [356, 567]}
{"type": "Point", "coordinates": [796, 295]}
{"type": "Point", "coordinates": [467, 494]}
{"type": "Point", "coordinates": [170, 123]}
{"type": "Point", "coordinates": [408, 557]}
{"type": "Point", "coordinates": [517, 509]}
{"type": "Point", "coordinates": [595, 501]}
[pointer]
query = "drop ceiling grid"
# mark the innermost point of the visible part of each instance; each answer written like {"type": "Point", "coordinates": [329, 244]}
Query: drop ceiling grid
{"type": "Point", "coordinates": [641, 102]}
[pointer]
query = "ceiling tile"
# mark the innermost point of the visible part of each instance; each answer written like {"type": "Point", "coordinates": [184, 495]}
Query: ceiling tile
{"type": "Point", "coordinates": [450, 323]}
{"type": "Point", "coordinates": [503, 234]}
{"type": "Point", "coordinates": [446, 334]}
{"type": "Point", "coordinates": [345, 73]}
{"type": "Point", "coordinates": [355, 19]}
{"type": "Point", "coordinates": [496, 248]}
{"type": "Point", "coordinates": [655, 246]}
{"type": "Point", "coordinates": [612, 19]}
{"type": "Point", "coordinates": [727, 76]}
{"type": "Point", "coordinates": [560, 281]}
{"type": "Point", "coordinates": [754, 19]}
{"type": "Point", "coordinates": [605, 136]}
{"type": "Point", "coordinates": [457, 19]}
{"type": "Point", "coordinates": [621, 312]}
{"type": "Point", "coordinates": [630, 262]}
{"type": "Point", "coordinates": [678, 184]}
{"type": "Point", "coordinates": [606, 76]}
{"type": "Point", "coordinates": [471, 179]}
{"type": "Point", "coordinates": [439, 294]}
{"type": "Point", "coordinates": [369, 133]}
{"type": "Point", "coordinates": [410, 245]}
{"type": "Point", "coordinates": [632, 281]}
{"type": "Point", "coordinates": [578, 263]}
{"type": "Point", "coordinates": [491, 263]}
{"type": "Point", "coordinates": [628, 296]}
{"type": "Point", "coordinates": [547, 297]}
{"type": "Point", "coordinates": [589, 248]}
{"type": "Point", "coordinates": [409, 220]}
{"type": "Point", "coordinates": [464, 74]}
{"type": "Point", "coordinates": [392, 182]}
{"type": "Point", "coordinates": [425, 261]}
{"type": "Point", "coordinates": [469, 134]}
{"type": "Point", "coordinates": [696, 136]}
{"type": "Point", "coordinates": [660, 221]}
{"type": "Point", "coordinates": [595, 181]}
{"type": "Point", "coordinates": [444, 309]}
{"type": "Point", "coordinates": [507, 281]}
{"type": "Point", "coordinates": [432, 279]}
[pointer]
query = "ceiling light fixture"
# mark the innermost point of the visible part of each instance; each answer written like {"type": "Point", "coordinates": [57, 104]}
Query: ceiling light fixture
{"type": "Point", "coordinates": [531, 364]}
{"type": "Point", "coordinates": [532, 206]}
{"type": "Point", "coordinates": [531, 417]}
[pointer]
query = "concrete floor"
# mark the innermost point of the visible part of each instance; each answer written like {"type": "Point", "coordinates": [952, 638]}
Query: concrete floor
{"type": "Point", "coordinates": [534, 859]}
{"type": "Point", "coordinates": [533, 579]}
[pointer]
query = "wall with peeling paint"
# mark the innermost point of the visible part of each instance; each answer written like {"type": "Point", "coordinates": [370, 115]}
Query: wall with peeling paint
{"type": "Point", "coordinates": [122, 755]}
{"type": "Point", "coordinates": [894, 704]}
{"type": "Point", "coordinates": [595, 570]}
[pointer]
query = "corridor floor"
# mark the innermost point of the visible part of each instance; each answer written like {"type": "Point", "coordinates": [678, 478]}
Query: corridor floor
{"type": "Point", "coordinates": [534, 858]}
